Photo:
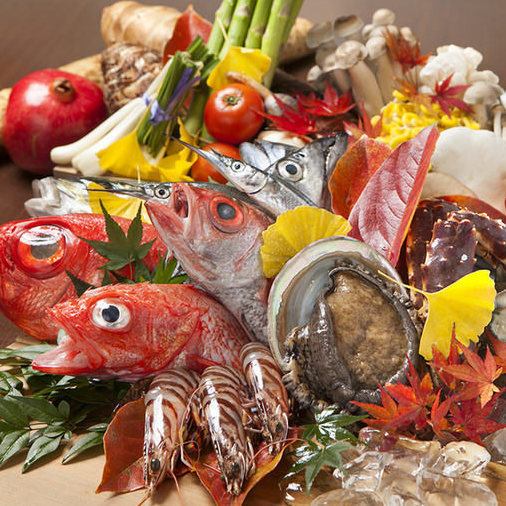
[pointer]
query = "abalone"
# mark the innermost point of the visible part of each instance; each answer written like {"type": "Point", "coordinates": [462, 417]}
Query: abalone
{"type": "Point", "coordinates": [338, 327]}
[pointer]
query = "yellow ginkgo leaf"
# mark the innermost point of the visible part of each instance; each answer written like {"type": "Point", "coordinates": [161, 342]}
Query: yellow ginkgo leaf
{"type": "Point", "coordinates": [293, 231]}
{"type": "Point", "coordinates": [125, 158]}
{"type": "Point", "coordinates": [250, 62]}
{"type": "Point", "coordinates": [117, 205]}
{"type": "Point", "coordinates": [466, 304]}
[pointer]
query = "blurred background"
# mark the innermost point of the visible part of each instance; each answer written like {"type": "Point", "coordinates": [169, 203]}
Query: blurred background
{"type": "Point", "coordinates": [47, 33]}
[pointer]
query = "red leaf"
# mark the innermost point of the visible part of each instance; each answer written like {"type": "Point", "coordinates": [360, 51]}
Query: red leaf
{"type": "Point", "coordinates": [499, 350]}
{"type": "Point", "coordinates": [438, 413]}
{"type": "Point", "coordinates": [210, 475]}
{"type": "Point", "coordinates": [123, 446]}
{"type": "Point", "coordinates": [330, 106]}
{"type": "Point", "coordinates": [295, 120]}
{"type": "Point", "coordinates": [450, 96]}
{"type": "Point", "coordinates": [364, 126]}
{"type": "Point", "coordinates": [404, 52]}
{"type": "Point", "coordinates": [353, 170]}
{"type": "Point", "coordinates": [383, 212]}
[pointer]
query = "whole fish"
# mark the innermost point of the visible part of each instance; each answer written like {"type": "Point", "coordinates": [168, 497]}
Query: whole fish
{"type": "Point", "coordinates": [166, 422]}
{"type": "Point", "coordinates": [298, 177]}
{"type": "Point", "coordinates": [133, 331]}
{"type": "Point", "coordinates": [217, 237]}
{"type": "Point", "coordinates": [35, 257]}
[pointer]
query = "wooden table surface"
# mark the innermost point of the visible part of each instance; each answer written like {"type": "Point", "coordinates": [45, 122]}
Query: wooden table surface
{"type": "Point", "coordinates": [47, 33]}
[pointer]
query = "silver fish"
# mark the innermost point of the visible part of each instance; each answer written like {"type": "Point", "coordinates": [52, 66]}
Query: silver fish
{"type": "Point", "coordinates": [215, 231]}
{"type": "Point", "coordinates": [279, 183]}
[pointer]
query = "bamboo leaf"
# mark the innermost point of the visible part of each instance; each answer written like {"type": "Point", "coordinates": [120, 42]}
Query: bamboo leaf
{"type": "Point", "coordinates": [13, 413]}
{"type": "Point", "coordinates": [12, 444]}
{"type": "Point", "coordinates": [82, 444]}
{"type": "Point", "coordinates": [9, 383]}
{"type": "Point", "coordinates": [41, 447]}
{"type": "Point", "coordinates": [39, 409]}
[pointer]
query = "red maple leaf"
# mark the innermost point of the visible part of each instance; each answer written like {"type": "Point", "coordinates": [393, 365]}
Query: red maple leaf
{"type": "Point", "coordinates": [438, 421]}
{"type": "Point", "coordinates": [439, 362]}
{"type": "Point", "coordinates": [404, 52]}
{"type": "Point", "coordinates": [450, 96]}
{"type": "Point", "coordinates": [330, 106]}
{"type": "Point", "coordinates": [499, 350]}
{"type": "Point", "coordinates": [295, 120]}
{"type": "Point", "coordinates": [472, 420]}
{"type": "Point", "coordinates": [364, 126]}
{"type": "Point", "coordinates": [479, 373]}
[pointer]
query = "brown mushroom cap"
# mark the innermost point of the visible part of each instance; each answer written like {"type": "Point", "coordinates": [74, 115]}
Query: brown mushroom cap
{"type": "Point", "coordinates": [346, 26]}
{"type": "Point", "coordinates": [319, 34]}
{"type": "Point", "coordinates": [349, 53]}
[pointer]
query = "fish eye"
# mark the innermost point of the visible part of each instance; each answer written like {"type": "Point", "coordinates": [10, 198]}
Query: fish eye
{"type": "Point", "coordinates": [236, 166]}
{"type": "Point", "coordinates": [290, 169]}
{"type": "Point", "coordinates": [226, 214]}
{"type": "Point", "coordinates": [162, 192]}
{"type": "Point", "coordinates": [41, 250]}
{"type": "Point", "coordinates": [110, 315]}
{"type": "Point", "coordinates": [155, 465]}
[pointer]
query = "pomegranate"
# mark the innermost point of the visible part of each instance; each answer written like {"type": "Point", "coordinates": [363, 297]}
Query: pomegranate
{"type": "Point", "coordinates": [49, 108]}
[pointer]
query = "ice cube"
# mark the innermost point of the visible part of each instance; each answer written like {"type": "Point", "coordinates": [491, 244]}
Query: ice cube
{"type": "Point", "coordinates": [462, 458]}
{"type": "Point", "coordinates": [496, 445]}
{"type": "Point", "coordinates": [343, 497]}
{"type": "Point", "coordinates": [365, 471]}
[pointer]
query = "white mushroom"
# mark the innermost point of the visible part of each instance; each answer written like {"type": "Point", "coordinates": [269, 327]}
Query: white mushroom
{"type": "Point", "coordinates": [348, 28]}
{"type": "Point", "coordinates": [482, 95]}
{"type": "Point", "coordinates": [366, 31]}
{"type": "Point", "coordinates": [477, 158]}
{"type": "Point", "coordinates": [380, 31]}
{"type": "Point", "coordinates": [350, 56]}
{"type": "Point", "coordinates": [408, 35]}
{"type": "Point", "coordinates": [383, 17]}
{"type": "Point", "coordinates": [325, 58]}
{"type": "Point", "coordinates": [319, 34]}
{"type": "Point", "coordinates": [378, 54]}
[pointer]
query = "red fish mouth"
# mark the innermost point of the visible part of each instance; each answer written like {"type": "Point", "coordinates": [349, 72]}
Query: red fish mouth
{"type": "Point", "coordinates": [69, 357]}
{"type": "Point", "coordinates": [174, 213]}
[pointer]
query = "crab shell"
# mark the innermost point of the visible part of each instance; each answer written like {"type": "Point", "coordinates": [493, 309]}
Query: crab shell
{"type": "Point", "coordinates": [301, 328]}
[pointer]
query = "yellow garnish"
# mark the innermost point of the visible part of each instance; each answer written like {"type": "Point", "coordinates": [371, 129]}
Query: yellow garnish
{"type": "Point", "coordinates": [468, 304]}
{"type": "Point", "coordinates": [125, 207]}
{"type": "Point", "coordinates": [250, 62]}
{"type": "Point", "coordinates": [403, 119]}
{"type": "Point", "coordinates": [126, 158]}
{"type": "Point", "coordinates": [293, 231]}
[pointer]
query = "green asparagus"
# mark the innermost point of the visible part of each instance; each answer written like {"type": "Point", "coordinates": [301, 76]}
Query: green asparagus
{"type": "Point", "coordinates": [239, 25]}
{"type": "Point", "coordinates": [221, 24]}
{"type": "Point", "coordinates": [258, 24]}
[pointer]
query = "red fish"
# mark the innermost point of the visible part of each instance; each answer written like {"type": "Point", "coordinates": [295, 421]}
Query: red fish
{"type": "Point", "coordinates": [35, 255]}
{"type": "Point", "coordinates": [133, 331]}
{"type": "Point", "coordinates": [216, 234]}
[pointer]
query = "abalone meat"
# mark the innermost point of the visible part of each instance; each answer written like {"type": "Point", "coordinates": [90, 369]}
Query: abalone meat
{"type": "Point", "coordinates": [338, 327]}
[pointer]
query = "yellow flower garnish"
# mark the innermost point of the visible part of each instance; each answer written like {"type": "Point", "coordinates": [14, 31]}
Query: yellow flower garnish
{"type": "Point", "coordinates": [293, 231]}
{"type": "Point", "coordinates": [126, 158]}
{"type": "Point", "coordinates": [468, 304]}
{"type": "Point", "coordinates": [250, 62]}
{"type": "Point", "coordinates": [125, 207]}
{"type": "Point", "coordinates": [402, 119]}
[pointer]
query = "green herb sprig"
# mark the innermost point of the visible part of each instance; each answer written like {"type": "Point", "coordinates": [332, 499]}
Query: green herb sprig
{"type": "Point", "coordinates": [40, 413]}
{"type": "Point", "coordinates": [324, 442]}
{"type": "Point", "coordinates": [128, 251]}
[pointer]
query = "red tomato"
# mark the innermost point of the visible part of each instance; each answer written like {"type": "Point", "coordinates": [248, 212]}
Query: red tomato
{"type": "Point", "coordinates": [202, 170]}
{"type": "Point", "coordinates": [231, 114]}
{"type": "Point", "coordinates": [188, 26]}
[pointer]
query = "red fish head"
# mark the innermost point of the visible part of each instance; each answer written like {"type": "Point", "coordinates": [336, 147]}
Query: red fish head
{"type": "Point", "coordinates": [35, 256]}
{"type": "Point", "coordinates": [124, 331]}
{"type": "Point", "coordinates": [214, 233]}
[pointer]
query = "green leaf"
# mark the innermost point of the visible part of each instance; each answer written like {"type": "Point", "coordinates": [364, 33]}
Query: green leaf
{"type": "Point", "coordinates": [143, 249]}
{"type": "Point", "coordinates": [5, 428]}
{"type": "Point", "coordinates": [80, 286]}
{"type": "Point", "coordinates": [39, 409]}
{"type": "Point", "coordinates": [13, 412]}
{"type": "Point", "coordinates": [83, 443]}
{"type": "Point", "coordinates": [64, 409]}
{"type": "Point", "coordinates": [98, 427]}
{"type": "Point", "coordinates": [116, 265]}
{"type": "Point", "coordinates": [106, 279]}
{"type": "Point", "coordinates": [12, 444]}
{"type": "Point", "coordinates": [53, 431]}
{"type": "Point", "coordinates": [134, 234]}
{"type": "Point", "coordinates": [41, 447]}
{"type": "Point", "coordinates": [114, 231]}
{"type": "Point", "coordinates": [9, 383]}
{"type": "Point", "coordinates": [29, 353]}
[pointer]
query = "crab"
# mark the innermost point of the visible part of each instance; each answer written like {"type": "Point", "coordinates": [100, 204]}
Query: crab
{"type": "Point", "coordinates": [449, 238]}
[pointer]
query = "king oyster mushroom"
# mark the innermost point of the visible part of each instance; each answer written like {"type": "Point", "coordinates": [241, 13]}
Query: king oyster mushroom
{"type": "Point", "coordinates": [338, 328]}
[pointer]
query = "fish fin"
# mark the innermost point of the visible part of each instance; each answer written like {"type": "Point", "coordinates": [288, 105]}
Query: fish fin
{"type": "Point", "coordinates": [336, 151]}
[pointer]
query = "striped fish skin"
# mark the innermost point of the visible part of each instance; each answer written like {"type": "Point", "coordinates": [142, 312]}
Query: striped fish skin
{"type": "Point", "coordinates": [221, 414]}
{"type": "Point", "coordinates": [166, 422]}
{"type": "Point", "coordinates": [264, 378]}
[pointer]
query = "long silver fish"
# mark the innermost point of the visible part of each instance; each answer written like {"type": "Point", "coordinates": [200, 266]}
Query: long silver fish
{"type": "Point", "coordinates": [215, 232]}
{"type": "Point", "coordinates": [279, 177]}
